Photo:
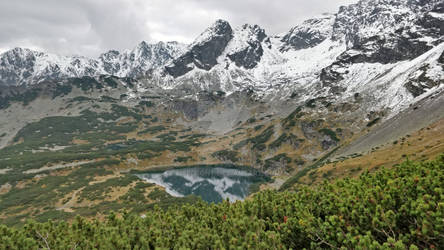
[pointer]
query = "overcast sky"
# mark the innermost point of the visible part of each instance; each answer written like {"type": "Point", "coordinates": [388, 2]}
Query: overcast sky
{"type": "Point", "coordinates": [89, 27]}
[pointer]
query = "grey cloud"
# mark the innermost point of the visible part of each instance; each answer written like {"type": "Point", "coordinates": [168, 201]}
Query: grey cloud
{"type": "Point", "coordinates": [89, 27]}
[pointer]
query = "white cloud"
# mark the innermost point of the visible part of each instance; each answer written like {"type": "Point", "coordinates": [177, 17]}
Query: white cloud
{"type": "Point", "coordinates": [89, 27]}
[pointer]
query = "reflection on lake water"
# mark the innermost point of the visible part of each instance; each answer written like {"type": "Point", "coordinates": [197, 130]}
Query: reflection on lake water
{"type": "Point", "coordinates": [212, 184]}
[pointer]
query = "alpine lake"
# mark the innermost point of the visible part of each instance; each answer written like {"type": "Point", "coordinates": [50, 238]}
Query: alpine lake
{"type": "Point", "coordinates": [213, 184]}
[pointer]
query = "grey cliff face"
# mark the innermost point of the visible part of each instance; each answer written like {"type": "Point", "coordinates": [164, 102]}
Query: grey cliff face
{"type": "Point", "coordinates": [193, 109]}
{"type": "Point", "coordinates": [441, 59]}
{"type": "Point", "coordinates": [332, 74]}
{"type": "Point", "coordinates": [384, 31]}
{"type": "Point", "coordinates": [309, 34]}
{"type": "Point", "coordinates": [422, 82]}
{"type": "Point", "coordinates": [16, 64]}
{"type": "Point", "coordinates": [204, 51]}
{"type": "Point", "coordinates": [107, 60]}
{"type": "Point", "coordinates": [251, 55]}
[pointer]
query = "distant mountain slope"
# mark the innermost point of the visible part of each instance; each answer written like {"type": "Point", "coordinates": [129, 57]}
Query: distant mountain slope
{"type": "Point", "coordinates": [23, 66]}
{"type": "Point", "coordinates": [370, 59]}
{"type": "Point", "coordinates": [420, 115]}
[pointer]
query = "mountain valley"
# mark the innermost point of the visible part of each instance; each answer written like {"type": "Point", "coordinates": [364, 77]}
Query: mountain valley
{"type": "Point", "coordinates": [334, 97]}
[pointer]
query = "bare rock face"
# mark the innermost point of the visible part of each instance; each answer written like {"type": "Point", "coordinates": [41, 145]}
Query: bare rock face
{"type": "Point", "coordinates": [109, 60]}
{"type": "Point", "coordinates": [279, 164]}
{"type": "Point", "coordinates": [333, 73]}
{"type": "Point", "coordinates": [309, 34]}
{"type": "Point", "coordinates": [15, 65]}
{"type": "Point", "coordinates": [384, 31]}
{"type": "Point", "coordinates": [419, 84]}
{"type": "Point", "coordinates": [204, 51]}
{"type": "Point", "coordinates": [441, 59]}
{"type": "Point", "coordinates": [328, 143]}
{"type": "Point", "coordinates": [193, 109]}
{"type": "Point", "coordinates": [250, 54]}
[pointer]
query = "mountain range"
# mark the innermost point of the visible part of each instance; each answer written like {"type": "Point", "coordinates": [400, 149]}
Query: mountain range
{"type": "Point", "coordinates": [366, 39]}
{"type": "Point", "coordinates": [336, 95]}
{"type": "Point", "coordinates": [370, 60]}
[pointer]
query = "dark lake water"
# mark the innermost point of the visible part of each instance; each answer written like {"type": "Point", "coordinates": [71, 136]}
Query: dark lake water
{"type": "Point", "coordinates": [211, 183]}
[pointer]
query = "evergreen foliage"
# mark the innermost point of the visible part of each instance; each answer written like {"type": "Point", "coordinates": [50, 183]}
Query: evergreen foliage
{"type": "Point", "coordinates": [395, 208]}
{"type": "Point", "coordinates": [226, 155]}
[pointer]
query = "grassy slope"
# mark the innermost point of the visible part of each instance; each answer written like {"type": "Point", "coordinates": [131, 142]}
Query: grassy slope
{"type": "Point", "coordinates": [424, 144]}
{"type": "Point", "coordinates": [120, 138]}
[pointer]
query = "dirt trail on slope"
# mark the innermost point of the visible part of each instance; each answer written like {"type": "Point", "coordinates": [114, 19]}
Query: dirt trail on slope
{"type": "Point", "coordinates": [67, 206]}
{"type": "Point", "coordinates": [58, 166]}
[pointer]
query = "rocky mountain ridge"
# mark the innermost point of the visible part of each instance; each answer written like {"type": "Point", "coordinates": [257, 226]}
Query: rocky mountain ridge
{"type": "Point", "coordinates": [385, 52]}
{"type": "Point", "coordinates": [21, 66]}
{"type": "Point", "coordinates": [334, 97]}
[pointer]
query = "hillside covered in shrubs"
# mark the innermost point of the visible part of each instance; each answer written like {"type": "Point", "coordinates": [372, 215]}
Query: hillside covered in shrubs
{"type": "Point", "coordinates": [397, 208]}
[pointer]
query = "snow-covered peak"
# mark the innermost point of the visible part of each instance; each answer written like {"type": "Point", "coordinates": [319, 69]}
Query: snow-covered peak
{"type": "Point", "coordinates": [219, 28]}
{"type": "Point", "coordinates": [398, 29]}
{"type": "Point", "coordinates": [17, 53]}
{"type": "Point", "coordinates": [325, 55]}
{"type": "Point", "coordinates": [373, 18]}
{"type": "Point", "coordinates": [24, 66]}
{"type": "Point", "coordinates": [204, 51]}
{"type": "Point", "coordinates": [244, 36]}
{"type": "Point", "coordinates": [246, 47]}
{"type": "Point", "coordinates": [140, 60]}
